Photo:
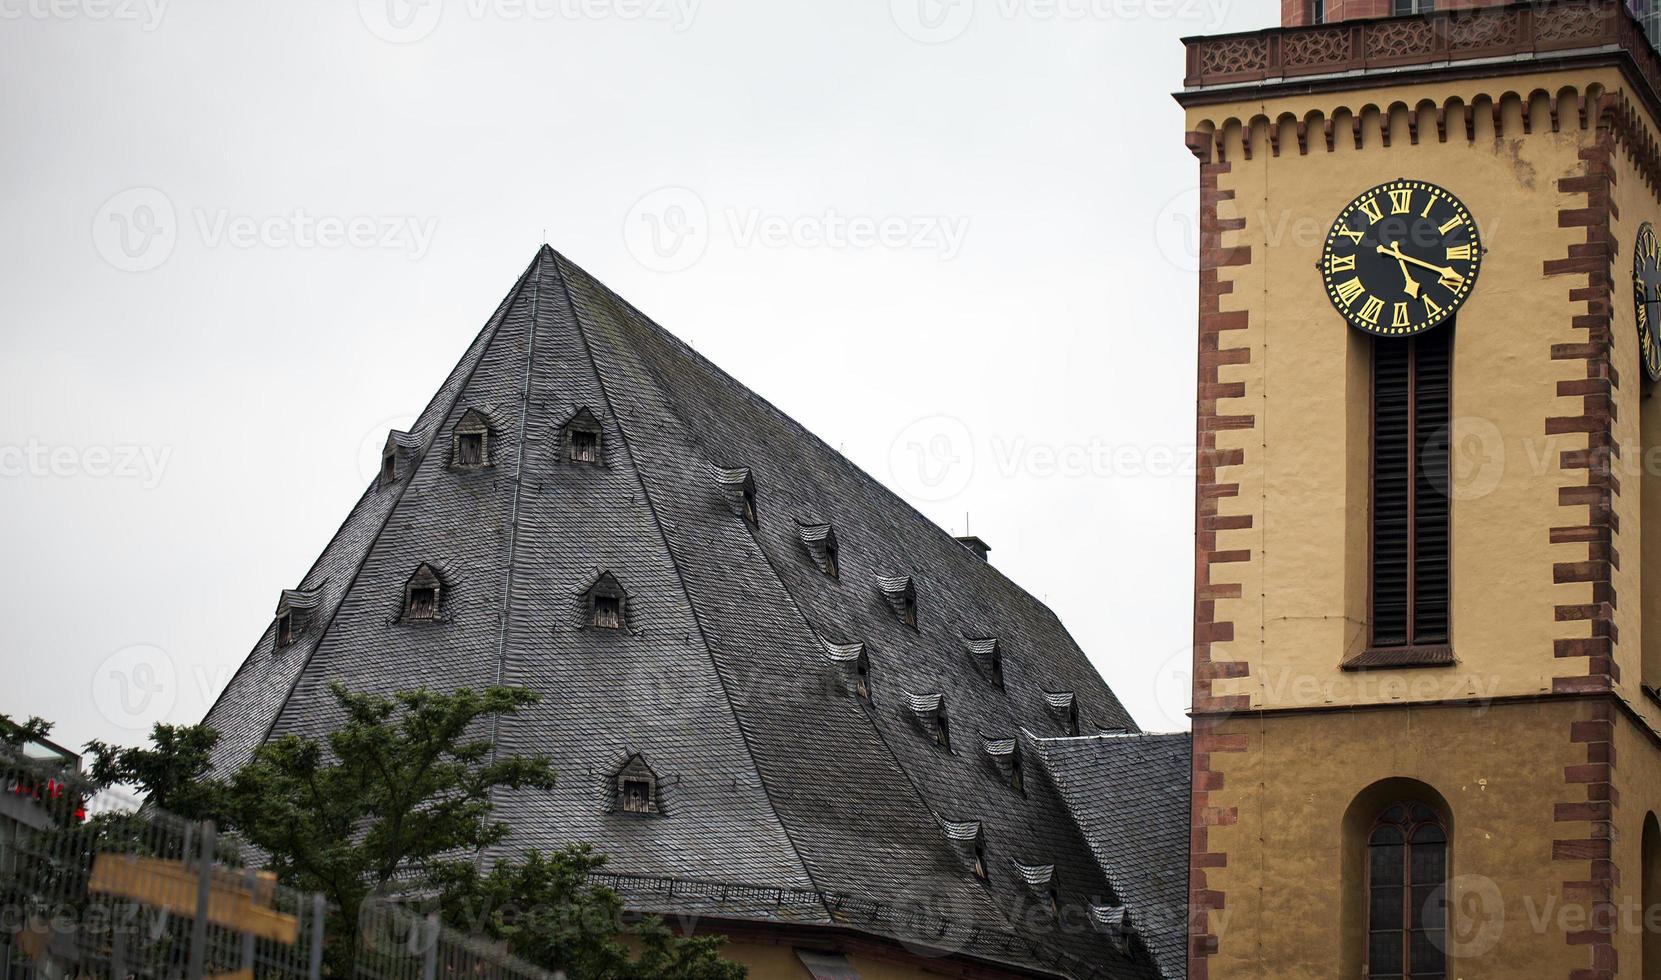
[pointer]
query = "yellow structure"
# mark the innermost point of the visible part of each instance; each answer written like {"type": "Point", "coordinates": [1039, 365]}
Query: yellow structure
{"type": "Point", "coordinates": [1527, 735]}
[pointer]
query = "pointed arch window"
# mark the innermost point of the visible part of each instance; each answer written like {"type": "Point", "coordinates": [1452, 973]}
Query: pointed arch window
{"type": "Point", "coordinates": [422, 595]}
{"type": "Point", "coordinates": [1407, 870]}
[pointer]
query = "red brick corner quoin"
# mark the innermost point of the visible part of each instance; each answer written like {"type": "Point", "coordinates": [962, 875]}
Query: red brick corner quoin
{"type": "Point", "coordinates": [1209, 709]}
{"type": "Point", "coordinates": [1589, 790]}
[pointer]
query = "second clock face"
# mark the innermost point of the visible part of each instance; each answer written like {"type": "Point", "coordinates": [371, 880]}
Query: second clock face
{"type": "Point", "coordinates": [1401, 258]}
{"type": "Point", "coordinates": [1646, 298]}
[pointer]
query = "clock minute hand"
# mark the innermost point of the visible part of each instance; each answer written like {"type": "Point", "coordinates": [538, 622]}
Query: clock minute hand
{"type": "Point", "coordinates": [1449, 276]}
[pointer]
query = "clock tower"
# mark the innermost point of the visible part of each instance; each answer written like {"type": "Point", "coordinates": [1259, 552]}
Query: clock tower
{"type": "Point", "coordinates": [1427, 631]}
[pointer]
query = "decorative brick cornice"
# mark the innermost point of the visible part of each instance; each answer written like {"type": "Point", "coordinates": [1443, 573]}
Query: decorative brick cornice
{"type": "Point", "coordinates": [1589, 786]}
{"type": "Point", "coordinates": [1458, 43]}
{"type": "Point", "coordinates": [1209, 709]}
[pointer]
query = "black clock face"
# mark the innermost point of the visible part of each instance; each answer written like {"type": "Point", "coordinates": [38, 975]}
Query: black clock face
{"type": "Point", "coordinates": [1646, 299]}
{"type": "Point", "coordinates": [1401, 258]}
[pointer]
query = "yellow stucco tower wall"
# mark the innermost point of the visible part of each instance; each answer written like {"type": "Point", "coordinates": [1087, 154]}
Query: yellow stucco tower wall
{"type": "Point", "coordinates": [1539, 743]}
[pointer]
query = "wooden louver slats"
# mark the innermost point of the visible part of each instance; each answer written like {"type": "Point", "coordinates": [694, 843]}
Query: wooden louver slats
{"type": "Point", "coordinates": [1411, 413]}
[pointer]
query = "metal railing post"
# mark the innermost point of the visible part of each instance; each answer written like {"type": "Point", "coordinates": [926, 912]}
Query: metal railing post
{"type": "Point", "coordinates": [204, 890]}
{"type": "Point", "coordinates": [429, 955]}
{"type": "Point", "coordinates": [315, 967]}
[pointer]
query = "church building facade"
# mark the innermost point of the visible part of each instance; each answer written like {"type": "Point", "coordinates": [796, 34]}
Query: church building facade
{"type": "Point", "coordinates": [1427, 636]}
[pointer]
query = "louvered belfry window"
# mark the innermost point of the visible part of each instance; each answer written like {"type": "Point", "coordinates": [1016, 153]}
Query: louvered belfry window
{"type": "Point", "coordinates": [1411, 417]}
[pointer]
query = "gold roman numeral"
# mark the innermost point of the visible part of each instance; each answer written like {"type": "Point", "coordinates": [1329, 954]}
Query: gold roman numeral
{"type": "Point", "coordinates": [1349, 291]}
{"type": "Point", "coordinates": [1399, 318]}
{"type": "Point", "coordinates": [1452, 223]}
{"type": "Point", "coordinates": [1431, 309]}
{"type": "Point", "coordinates": [1461, 252]}
{"type": "Point", "coordinates": [1340, 263]}
{"type": "Point", "coordinates": [1401, 201]}
{"type": "Point", "coordinates": [1370, 208]}
{"type": "Point", "coordinates": [1370, 310]}
{"type": "Point", "coordinates": [1354, 236]}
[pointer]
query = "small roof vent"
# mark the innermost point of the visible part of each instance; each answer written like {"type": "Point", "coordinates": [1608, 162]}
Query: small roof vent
{"type": "Point", "coordinates": [980, 548]}
{"type": "Point", "coordinates": [987, 655]}
{"type": "Point", "coordinates": [1038, 877]}
{"type": "Point", "coordinates": [738, 485]}
{"type": "Point", "coordinates": [901, 596]}
{"type": "Point", "coordinates": [820, 541]}
{"type": "Point", "coordinates": [1113, 921]}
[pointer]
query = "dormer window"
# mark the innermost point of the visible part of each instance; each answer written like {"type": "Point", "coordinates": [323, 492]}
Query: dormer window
{"type": "Point", "coordinates": [637, 787]}
{"type": "Point", "coordinates": [607, 604]}
{"type": "Point", "coordinates": [1005, 756]}
{"type": "Point", "coordinates": [987, 654]}
{"type": "Point", "coordinates": [1065, 708]}
{"type": "Point", "coordinates": [901, 596]}
{"type": "Point", "coordinates": [422, 594]}
{"type": "Point", "coordinates": [969, 841]}
{"type": "Point", "coordinates": [471, 444]}
{"type": "Point", "coordinates": [738, 485]}
{"type": "Point", "coordinates": [582, 438]}
{"type": "Point", "coordinates": [929, 711]}
{"type": "Point", "coordinates": [862, 678]}
{"type": "Point", "coordinates": [293, 609]}
{"type": "Point", "coordinates": [1055, 903]}
{"type": "Point", "coordinates": [820, 540]}
{"type": "Point", "coordinates": [400, 447]}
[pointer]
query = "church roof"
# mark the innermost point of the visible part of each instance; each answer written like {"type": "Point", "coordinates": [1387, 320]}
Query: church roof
{"type": "Point", "coordinates": [631, 547]}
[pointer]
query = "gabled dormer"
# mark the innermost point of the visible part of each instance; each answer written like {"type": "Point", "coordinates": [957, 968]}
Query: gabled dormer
{"type": "Point", "coordinates": [738, 485]}
{"type": "Point", "coordinates": [820, 541]}
{"type": "Point", "coordinates": [607, 604]}
{"type": "Point", "coordinates": [423, 596]}
{"type": "Point", "coordinates": [901, 596]}
{"type": "Point", "coordinates": [637, 788]}
{"type": "Point", "coordinates": [470, 441]}
{"type": "Point", "coordinates": [584, 439]}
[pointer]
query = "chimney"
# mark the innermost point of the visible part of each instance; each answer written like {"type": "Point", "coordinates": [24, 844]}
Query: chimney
{"type": "Point", "coordinates": [979, 547]}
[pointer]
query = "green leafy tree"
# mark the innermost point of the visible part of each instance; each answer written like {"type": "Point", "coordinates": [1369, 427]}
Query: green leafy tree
{"type": "Point", "coordinates": [546, 911]}
{"type": "Point", "coordinates": [175, 772]}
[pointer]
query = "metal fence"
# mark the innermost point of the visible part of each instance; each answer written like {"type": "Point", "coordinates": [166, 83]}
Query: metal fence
{"type": "Point", "coordinates": [93, 886]}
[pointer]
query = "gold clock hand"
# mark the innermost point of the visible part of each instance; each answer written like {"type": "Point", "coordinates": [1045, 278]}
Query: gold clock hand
{"type": "Point", "coordinates": [1450, 278]}
{"type": "Point", "coordinates": [1408, 282]}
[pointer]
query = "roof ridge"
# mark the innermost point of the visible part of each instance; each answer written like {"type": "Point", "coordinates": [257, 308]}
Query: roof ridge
{"type": "Point", "coordinates": [582, 328]}
{"type": "Point", "coordinates": [481, 341]}
{"type": "Point", "coordinates": [513, 517]}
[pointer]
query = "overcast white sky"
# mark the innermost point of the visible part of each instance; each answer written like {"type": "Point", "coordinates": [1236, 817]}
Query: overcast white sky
{"type": "Point", "coordinates": [243, 239]}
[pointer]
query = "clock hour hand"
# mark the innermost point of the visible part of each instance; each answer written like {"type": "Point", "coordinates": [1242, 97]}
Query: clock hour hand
{"type": "Point", "coordinates": [1408, 282]}
{"type": "Point", "coordinates": [1449, 278]}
